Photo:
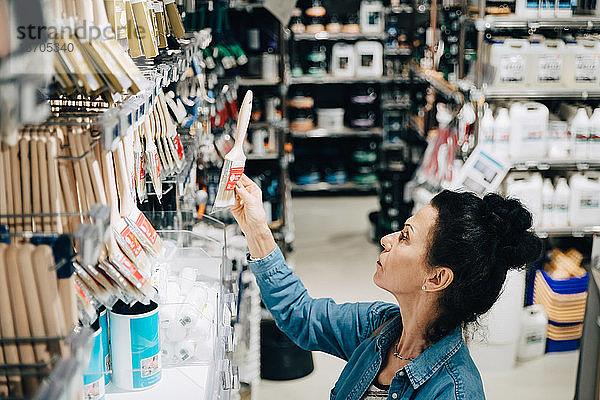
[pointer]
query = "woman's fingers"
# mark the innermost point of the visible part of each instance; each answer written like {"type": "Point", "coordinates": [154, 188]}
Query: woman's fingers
{"type": "Point", "coordinates": [246, 181]}
{"type": "Point", "coordinates": [243, 193]}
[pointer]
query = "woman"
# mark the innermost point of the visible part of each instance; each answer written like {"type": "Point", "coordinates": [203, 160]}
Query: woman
{"type": "Point", "coordinates": [445, 268]}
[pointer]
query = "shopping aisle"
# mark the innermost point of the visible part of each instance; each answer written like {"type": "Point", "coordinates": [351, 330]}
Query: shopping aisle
{"type": "Point", "coordinates": [334, 258]}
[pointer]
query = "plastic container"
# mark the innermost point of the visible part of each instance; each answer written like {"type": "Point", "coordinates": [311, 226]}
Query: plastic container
{"type": "Point", "coordinates": [502, 128]}
{"type": "Point", "coordinates": [594, 139]}
{"type": "Point", "coordinates": [560, 204]}
{"type": "Point", "coordinates": [527, 8]}
{"type": "Point", "coordinates": [495, 343]}
{"type": "Point", "coordinates": [372, 18]}
{"type": "Point", "coordinates": [529, 123]}
{"type": "Point", "coordinates": [584, 203]}
{"type": "Point", "coordinates": [369, 58]}
{"type": "Point", "coordinates": [582, 67]}
{"type": "Point", "coordinates": [545, 63]}
{"type": "Point", "coordinates": [558, 141]}
{"type": "Point", "coordinates": [486, 129]}
{"type": "Point", "coordinates": [564, 9]}
{"type": "Point", "coordinates": [527, 188]}
{"type": "Point", "coordinates": [331, 118]}
{"type": "Point", "coordinates": [343, 60]}
{"type": "Point", "coordinates": [532, 342]}
{"type": "Point", "coordinates": [580, 130]}
{"type": "Point", "coordinates": [510, 59]}
{"type": "Point", "coordinates": [547, 199]}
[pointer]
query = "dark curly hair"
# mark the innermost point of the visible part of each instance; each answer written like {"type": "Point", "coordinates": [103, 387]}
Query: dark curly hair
{"type": "Point", "coordinates": [479, 240]}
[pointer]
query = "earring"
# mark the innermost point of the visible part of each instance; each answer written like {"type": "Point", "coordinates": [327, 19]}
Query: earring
{"type": "Point", "coordinates": [423, 287]}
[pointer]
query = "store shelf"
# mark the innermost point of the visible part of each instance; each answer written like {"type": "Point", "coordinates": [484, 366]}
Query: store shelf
{"type": "Point", "coordinates": [328, 187]}
{"type": "Point", "coordinates": [519, 93]}
{"type": "Point", "coordinates": [391, 105]}
{"type": "Point", "coordinates": [281, 124]}
{"type": "Point", "coordinates": [515, 22]}
{"type": "Point", "coordinates": [330, 79]}
{"type": "Point", "coordinates": [182, 383]}
{"type": "Point", "coordinates": [267, 156]}
{"type": "Point", "coordinates": [339, 36]}
{"type": "Point", "coordinates": [546, 164]}
{"type": "Point", "coordinates": [345, 132]}
{"type": "Point", "coordinates": [258, 82]}
{"type": "Point", "coordinates": [446, 89]}
{"type": "Point", "coordinates": [397, 52]}
{"type": "Point", "coordinates": [568, 231]}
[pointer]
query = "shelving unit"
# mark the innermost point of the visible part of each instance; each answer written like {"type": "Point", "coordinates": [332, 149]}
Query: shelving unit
{"type": "Point", "coordinates": [567, 231]}
{"type": "Point", "coordinates": [346, 132]}
{"type": "Point", "coordinates": [330, 79]}
{"type": "Point", "coordinates": [338, 36]}
{"type": "Point", "coordinates": [330, 187]}
{"type": "Point", "coordinates": [515, 22]}
{"type": "Point", "coordinates": [519, 93]}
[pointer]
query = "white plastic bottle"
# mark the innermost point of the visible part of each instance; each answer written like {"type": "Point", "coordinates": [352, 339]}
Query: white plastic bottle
{"type": "Point", "coordinates": [486, 129]}
{"type": "Point", "coordinates": [502, 134]}
{"type": "Point", "coordinates": [529, 126]}
{"type": "Point", "coordinates": [547, 199]}
{"type": "Point", "coordinates": [560, 204]}
{"type": "Point", "coordinates": [580, 130]}
{"type": "Point", "coordinates": [532, 343]}
{"type": "Point", "coordinates": [594, 139]}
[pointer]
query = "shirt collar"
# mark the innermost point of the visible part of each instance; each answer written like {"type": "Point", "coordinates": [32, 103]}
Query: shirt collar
{"type": "Point", "coordinates": [427, 363]}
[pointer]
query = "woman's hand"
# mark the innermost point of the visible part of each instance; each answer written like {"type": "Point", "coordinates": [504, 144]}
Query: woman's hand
{"type": "Point", "coordinates": [249, 213]}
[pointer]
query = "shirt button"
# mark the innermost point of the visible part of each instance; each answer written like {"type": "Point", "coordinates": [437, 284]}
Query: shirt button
{"type": "Point", "coordinates": [394, 395]}
{"type": "Point", "coordinates": [401, 373]}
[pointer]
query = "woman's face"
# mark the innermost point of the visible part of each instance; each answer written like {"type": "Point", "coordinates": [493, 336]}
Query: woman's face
{"type": "Point", "coordinates": [401, 267]}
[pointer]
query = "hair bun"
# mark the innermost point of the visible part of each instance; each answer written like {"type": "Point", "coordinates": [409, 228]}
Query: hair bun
{"type": "Point", "coordinates": [509, 222]}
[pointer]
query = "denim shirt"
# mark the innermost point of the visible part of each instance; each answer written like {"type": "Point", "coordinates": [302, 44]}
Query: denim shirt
{"type": "Point", "coordinates": [443, 371]}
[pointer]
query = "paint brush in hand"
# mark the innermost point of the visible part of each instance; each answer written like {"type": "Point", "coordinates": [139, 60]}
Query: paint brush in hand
{"type": "Point", "coordinates": [235, 160]}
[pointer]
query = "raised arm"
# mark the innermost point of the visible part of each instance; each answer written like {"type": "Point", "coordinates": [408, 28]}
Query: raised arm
{"type": "Point", "coordinates": [313, 324]}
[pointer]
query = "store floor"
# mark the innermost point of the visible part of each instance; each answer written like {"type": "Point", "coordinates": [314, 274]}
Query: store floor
{"type": "Point", "coordinates": [334, 258]}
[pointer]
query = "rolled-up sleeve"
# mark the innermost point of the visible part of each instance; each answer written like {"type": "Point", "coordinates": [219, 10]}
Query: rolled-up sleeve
{"type": "Point", "coordinates": [314, 324]}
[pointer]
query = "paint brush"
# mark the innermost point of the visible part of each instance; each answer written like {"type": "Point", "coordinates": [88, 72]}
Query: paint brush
{"type": "Point", "coordinates": [47, 287]}
{"type": "Point", "coordinates": [137, 221]}
{"type": "Point", "coordinates": [145, 27]}
{"type": "Point", "coordinates": [235, 160]}
{"type": "Point", "coordinates": [25, 178]}
{"type": "Point", "coordinates": [7, 327]}
{"type": "Point", "coordinates": [133, 37]}
{"type": "Point", "coordinates": [19, 312]}
{"type": "Point", "coordinates": [174, 18]}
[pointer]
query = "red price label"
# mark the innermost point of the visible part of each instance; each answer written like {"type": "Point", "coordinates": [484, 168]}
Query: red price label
{"type": "Point", "coordinates": [78, 289]}
{"type": "Point", "coordinates": [131, 241]}
{"type": "Point", "coordinates": [133, 270]}
{"type": "Point", "coordinates": [146, 227]}
{"type": "Point", "coordinates": [142, 172]}
{"type": "Point", "coordinates": [157, 163]}
{"type": "Point", "coordinates": [234, 177]}
{"type": "Point", "coordinates": [178, 147]}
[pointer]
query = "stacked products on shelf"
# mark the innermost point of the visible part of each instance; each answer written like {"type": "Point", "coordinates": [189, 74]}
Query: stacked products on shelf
{"type": "Point", "coordinates": [528, 131]}
{"type": "Point", "coordinates": [567, 203]}
{"type": "Point", "coordinates": [561, 288]}
{"type": "Point", "coordinates": [542, 63]}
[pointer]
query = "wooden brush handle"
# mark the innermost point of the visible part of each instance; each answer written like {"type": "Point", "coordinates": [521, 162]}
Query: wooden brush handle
{"type": "Point", "coordinates": [85, 172]}
{"type": "Point", "coordinates": [243, 120]}
{"type": "Point", "coordinates": [85, 11]}
{"type": "Point", "coordinates": [16, 186]}
{"type": "Point", "coordinates": [86, 196]}
{"type": "Point", "coordinates": [7, 327]}
{"type": "Point", "coordinates": [66, 291]}
{"type": "Point", "coordinates": [47, 287]}
{"type": "Point", "coordinates": [135, 49]}
{"type": "Point", "coordinates": [43, 179]}
{"type": "Point", "coordinates": [36, 197]}
{"type": "Point", "coordinates": [32, 301]}
{"type": "Point", "coordinates": [10, 208]}
{"type": "Point", "coordinates": [3, 380]}
{"type": "Point", "coordinates": [125, 201]}
{"type": "Point", "coordinates": [19, 312]}
{"type": "Point", "coordinates": [3, 200]}
{"type": "Point", "coordinates": [93, 168]}
{"type": "Point", "coordinates": [53, 183]}
{"type": "Point", "coordinates": [26, 178]}
{"type": "Point", "coordinates": [67, 180]}
{"type": "Point", "coordinates": [100, 16]}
